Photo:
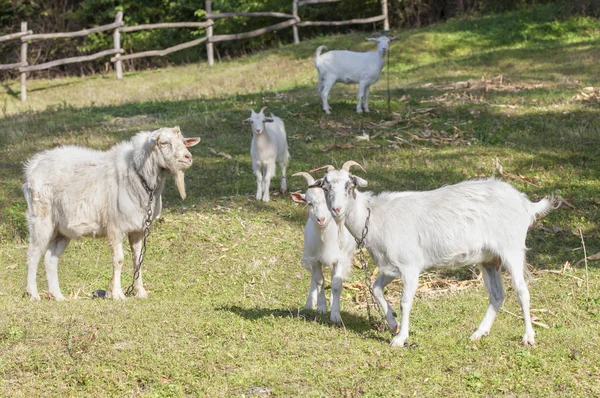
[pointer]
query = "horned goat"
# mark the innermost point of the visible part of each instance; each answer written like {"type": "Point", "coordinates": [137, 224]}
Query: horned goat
{"type": "Point", "coordinates": [269, 146]}
{"type": "Point", "coordinates": [73, 192]}
{"type": "Point", "coordinates": [477, 222]}
{"type": "Point", "coordinates": [325, 245]}
{"type": "Point", "coordinates": [343, 66]}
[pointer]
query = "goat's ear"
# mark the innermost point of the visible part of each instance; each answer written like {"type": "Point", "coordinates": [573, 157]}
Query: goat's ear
{"type": "Point", "coordinates": [393, 38]}
{"type": "Point", "coordinates": [371, 39]}
{"type": "Point", "coordinates": [247, 121]}
{"type": "Point", "coordinates": [359, 182]}
{"type": "Point", "coordinates": [268, 120]}
{"type": "Point", "coordinates": [191, 141]}
{"type": "Point", "coordinates": [298, 197]}
{"type": "Point", "coordinates": [317, 184]}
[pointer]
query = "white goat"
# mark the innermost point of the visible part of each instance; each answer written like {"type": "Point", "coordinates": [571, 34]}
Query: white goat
{"type": "Point", "coordinates": [478, 222]}
{"type": "Point", "coordinates": [363, 68]}
{"type": "Point", "coordinates": [269, 145]}
{"type": "Point", "coordinates": [73, 192]}
{"type": "Point", "coordinates": [325, 245]}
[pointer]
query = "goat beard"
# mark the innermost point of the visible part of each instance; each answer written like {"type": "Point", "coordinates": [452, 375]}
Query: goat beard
{"type": "Point", "coordinates": [180, 182]}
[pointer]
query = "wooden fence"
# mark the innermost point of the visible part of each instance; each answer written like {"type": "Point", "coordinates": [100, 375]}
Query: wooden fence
{"type": "Point", "coordinates": [292, 20]}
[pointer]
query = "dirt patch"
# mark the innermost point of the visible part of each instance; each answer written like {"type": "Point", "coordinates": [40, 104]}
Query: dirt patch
{"type": "Point", "coordinates": [124, 122]}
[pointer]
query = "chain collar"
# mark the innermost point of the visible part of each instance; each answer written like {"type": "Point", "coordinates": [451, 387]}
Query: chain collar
{"type": "Point", "coordinates": [360, 242]}
{"type": "Point", "coordinates": [144, 183]}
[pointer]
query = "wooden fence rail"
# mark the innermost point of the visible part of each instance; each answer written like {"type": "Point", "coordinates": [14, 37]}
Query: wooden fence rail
{"type": "Point", "coordinates": [293, 20]}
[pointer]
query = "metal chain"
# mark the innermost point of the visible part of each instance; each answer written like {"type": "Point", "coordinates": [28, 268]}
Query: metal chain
{"type": "Point", "coordinates": [147, 224]}
{"type": "Point", "coordinates": [379, 325]}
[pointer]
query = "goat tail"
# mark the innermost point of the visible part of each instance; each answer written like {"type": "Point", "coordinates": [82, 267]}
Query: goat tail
{"type": "Point", "coordinates": [542, 207]}
{"type": "Point", "coordinates": [318, 52]}
{"type": "Point", "coordinates": [28, 198]}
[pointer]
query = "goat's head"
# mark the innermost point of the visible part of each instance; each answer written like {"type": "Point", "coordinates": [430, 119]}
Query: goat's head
{"type": "Point", "coordinates": [338, 187]}
{"type": "Point", "coordinates": [383, 41]}
{"type": "Point", "coordinates": [172, 153]}
{"type": "Point", "coordinates": [258, 120]}
{"type": "Point", "coordinates": [315, 199]}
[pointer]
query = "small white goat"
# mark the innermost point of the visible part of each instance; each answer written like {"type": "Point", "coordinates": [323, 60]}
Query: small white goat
{"type": "Point", "coordinates": [324, 247]}
{"type": "Point", "coordinates": [478, 222]}
{"type": "Point", "coordinates": [73, 192]}
{"type": "Point", "coordinates": [363, 68]}
{"type": "Point", "coordinates": [269, 145]}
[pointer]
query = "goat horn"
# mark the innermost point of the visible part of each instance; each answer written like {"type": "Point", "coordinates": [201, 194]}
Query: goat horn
{"type": "Point", "coordinates": [328, 167]}
{"type": "Point", "coordinates": [309, 179]}
{"type": "Point", "coordinates": [262, 109]}
{"type": "Point", "coordinates": [346, 166]}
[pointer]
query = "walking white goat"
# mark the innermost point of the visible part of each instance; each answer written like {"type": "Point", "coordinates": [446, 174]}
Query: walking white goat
{"type": "Point", "coordinates": [325, 245]}
{"type": "Point", "coordinates": [478, 222]}
{"type": "Point", "coordinates": [363, 68]}
{"type": "Point", "coordinates": [73, 192]}
{"type": "Point", "coordinates": [269, 145]}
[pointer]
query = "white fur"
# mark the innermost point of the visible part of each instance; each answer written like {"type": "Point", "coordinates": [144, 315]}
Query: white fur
{"type": "Point", "coordinates": [73, 192]}
{"type": "Point", "coordinates": [269, 146]}
{"type": "Point", "coordinates": [325, 245]}
{"type": "Point", "coordinates": [363, 68]}
{"type": "Point", "coordinates": [478, 222]}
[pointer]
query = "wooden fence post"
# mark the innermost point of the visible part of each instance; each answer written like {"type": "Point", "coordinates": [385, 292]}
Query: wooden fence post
{"type": "Point", "coordinates": [384, 12]}
{"type": "Point", "coordinates": [24, 63]}
{"type": "Point", "coordinates": [295, 28]}
{"type": "Point", "coordinates": [117, 42]}
{"type": "Point", "coordinates": [209, 33]}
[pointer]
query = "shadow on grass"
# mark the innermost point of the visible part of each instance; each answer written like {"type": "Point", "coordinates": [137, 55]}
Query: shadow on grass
{"type": "Point", "coordinates": [356, 324]}
{"type": "Point", "coordinates": [548, 141]}
{"type": "Point", "coordinates": [10, 91]}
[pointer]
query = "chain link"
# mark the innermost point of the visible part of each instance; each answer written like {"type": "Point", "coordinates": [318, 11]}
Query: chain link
{"type": "Point", "coordinates": [377, 324]}
{"type": "Point", "coordinates": [147, 224]}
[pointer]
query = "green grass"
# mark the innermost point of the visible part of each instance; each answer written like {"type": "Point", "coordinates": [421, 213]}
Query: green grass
{"type": "Point", "coordinates": [225, 315]}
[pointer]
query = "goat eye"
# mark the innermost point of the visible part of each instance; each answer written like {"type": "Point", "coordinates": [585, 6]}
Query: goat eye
{"type": "Point", "coordinates": [310, 204]}
{"type": "Point", "coordinates": [164, 143]}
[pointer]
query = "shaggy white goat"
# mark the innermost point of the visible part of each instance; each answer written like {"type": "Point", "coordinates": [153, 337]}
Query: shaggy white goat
{"type": "Point", "coordinates": [269, 145]}
{"type": "Point", "coordinates": [73, 192]}
{"type": "Point", "coordinates": [478, 222]}
{"type": "Point", "coordinates": [363, 68]}
{"type": "Point", "coordinates": [324, 247]}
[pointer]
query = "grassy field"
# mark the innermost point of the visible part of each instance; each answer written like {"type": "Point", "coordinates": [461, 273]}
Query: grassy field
{"type": "Point", "coordinates": [225, 314]}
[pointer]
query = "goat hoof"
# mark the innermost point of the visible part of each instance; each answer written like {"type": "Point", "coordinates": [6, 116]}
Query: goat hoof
{"type": "Point", "coordinates": [34, 297]}
{"type": "Point", "coordinates": [528, 340]}
{"type": "Point", "coordinates": [478, 335]}
{"type": "Point", "coordinates": [58, 297]}
{"type": "Point", "coordinates": [141, 294]}
{"type": "Point", "coordinates": [336, 320]}
{"type": "Point", "coordinates": [398, 342]}
{"type": "Point", "coordinates": [116, 295]}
